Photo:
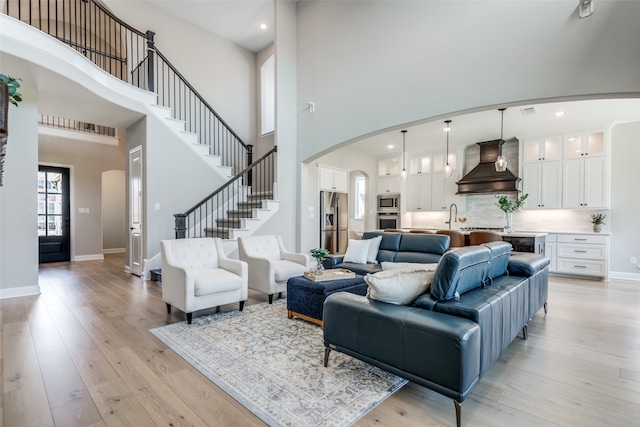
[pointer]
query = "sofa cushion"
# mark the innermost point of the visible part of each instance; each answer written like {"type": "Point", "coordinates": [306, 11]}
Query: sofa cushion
{"type": "Point", "coordinates": [526, 264]}
{"type": "Point", "coordinates": [430, 266]}
{"type": "Point", "coordinates": [361, 269]}
{"type": "Point", "coordinates": [460, 270]}
{"type": "Point", "coordinates": [425, 243]}
{"type": "Point", "coordinates": [357, 251]}
{"type": "Point", "coordinates": [400, 285]}
{"type": "Point", "coordinates": [285, 269]}
{"type": "Point", "coordinates": [374, 245]}
{"type": "Point", "coordinates": [215, 280]}
{"type": "Point", "coordinates": [390, 241]}
{"type": "Point", "coordinates": [500, 253]}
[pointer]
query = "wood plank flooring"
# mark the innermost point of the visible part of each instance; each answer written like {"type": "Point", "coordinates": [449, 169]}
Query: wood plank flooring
{"type": "Point", "coordinates": [80, 354]}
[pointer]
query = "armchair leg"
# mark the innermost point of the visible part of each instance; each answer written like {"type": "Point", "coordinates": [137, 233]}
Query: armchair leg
{"type": "Point", "coordinates": [327, 350]}
{"type": "Point", "coordinates": [241, 305]}
{"type": "Point", "coordinates": [525, 332]}
{"type": "Point", "coordinates": [189, 318]}
{"type": "Point", "coordinates": [168, 307]}
{"type": "Point", "coordinates": [458, 412]}
{"type": "Point", "coordinates": [279, 295]}
{"type": "Point", "coordinates": [545, 307]}
{"type": "Point", "coordinates": [270, 298]}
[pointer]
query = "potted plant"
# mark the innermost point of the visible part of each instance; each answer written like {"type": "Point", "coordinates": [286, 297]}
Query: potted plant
{"type": "Point", "coordinates": [319, 254]}
{"type": "Point", "coordinates": [12, 87]}
{"type": "Point", "coordinates": [509, 206]}
{"type": "Point", "coordinates": [597, 220]}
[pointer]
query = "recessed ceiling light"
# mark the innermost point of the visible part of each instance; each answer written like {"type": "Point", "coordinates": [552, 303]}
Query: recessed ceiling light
{"type": "Point", "coordinates": [390, 146]}
{"type": "Point", "coordinates": [558, 114]}
{"type": "Point", "coordinates": [263, 26]}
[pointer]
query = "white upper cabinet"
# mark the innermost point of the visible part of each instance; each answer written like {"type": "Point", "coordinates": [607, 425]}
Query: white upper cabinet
{"type": "Point", "coordinates": [333, 179]}
{"type": "Point", "coordinates": [543, 183]}
{"type": "Point", "coordinates": [391, 185]}
{"type": "Point", "coordinates": [419, 192]}
{"type": "Point", "coordinates": [585, 183]}
{"type": "Point", "coordinates": [419, 164]}
{"type": "Point", "coordinates": [390, 166]}
{"type": "Point", "coordinates": [543, 149]}
{"type": "Point", "coordinates": [584, 144]}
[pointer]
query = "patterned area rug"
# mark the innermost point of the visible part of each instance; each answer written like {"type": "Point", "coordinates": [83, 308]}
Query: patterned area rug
{"type": "Point", "coordinates": [273, 366]}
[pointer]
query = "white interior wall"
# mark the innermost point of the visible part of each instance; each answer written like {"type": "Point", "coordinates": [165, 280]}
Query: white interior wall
{"type": "Point", "coordinates": [221, 71]}
{"type": "Point", "coordinates": [18, 201]}
{"type": "Point", "coordinates": [114, 214]}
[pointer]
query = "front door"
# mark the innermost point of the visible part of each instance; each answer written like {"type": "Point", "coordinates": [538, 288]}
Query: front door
{"type": "Point", "coordinates": [53, 214]}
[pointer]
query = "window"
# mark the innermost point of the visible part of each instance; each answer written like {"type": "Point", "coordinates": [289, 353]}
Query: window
{"type": "Point", "coordinates": [360, 196]}
{"type": "Point", "coordinates": [268, 98]}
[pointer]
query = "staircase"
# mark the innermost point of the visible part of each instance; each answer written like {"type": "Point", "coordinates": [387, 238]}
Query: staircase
{"type": "Point", "coordinates": [236, 208]}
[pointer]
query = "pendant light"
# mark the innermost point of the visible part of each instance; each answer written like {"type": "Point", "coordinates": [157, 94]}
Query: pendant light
{"type": "Point", "coordinates": [404, 170]}
{"type": "Point", "coordinates": [501, 162]}
{"type": "Point", "coordinates": [447, 166]}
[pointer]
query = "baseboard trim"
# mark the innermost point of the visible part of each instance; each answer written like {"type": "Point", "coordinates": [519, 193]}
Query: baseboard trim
{"type": "Point", "coordinates": [619, 275]}
{"type": "Point", "coordinates": [94, 257]}
{"type": "Point", "coordinates": [23, 291]}
{"type": "Point", "coordinates": [114, 250]}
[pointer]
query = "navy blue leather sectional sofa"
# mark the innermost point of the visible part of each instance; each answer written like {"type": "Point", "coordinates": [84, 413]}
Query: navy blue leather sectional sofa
{"type": "Point", "coordinates": [397, 247]}
{"type": "Point", "coordinates": [480, 299]}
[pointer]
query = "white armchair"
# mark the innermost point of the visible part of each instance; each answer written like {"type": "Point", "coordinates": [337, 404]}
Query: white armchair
{"type": "Point", "coordinates": [270, 264]}
{"type": "Point", "coordinates": [197, 274]}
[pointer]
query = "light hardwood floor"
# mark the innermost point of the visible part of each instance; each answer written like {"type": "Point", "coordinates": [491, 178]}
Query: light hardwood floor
{"type": "Point", "coordinates": [80, 354]}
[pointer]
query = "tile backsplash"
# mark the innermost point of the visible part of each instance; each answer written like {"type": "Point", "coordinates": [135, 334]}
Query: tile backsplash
{"type": "Point", "coordinates": [481, 211]}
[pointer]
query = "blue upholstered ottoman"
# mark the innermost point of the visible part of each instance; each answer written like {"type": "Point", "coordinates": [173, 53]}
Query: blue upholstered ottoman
{"type": "Point", "coordinates": [305, 298]}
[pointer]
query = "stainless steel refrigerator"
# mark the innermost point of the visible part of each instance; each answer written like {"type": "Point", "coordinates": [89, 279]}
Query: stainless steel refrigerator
{"type": "Point", "coordinates": [334, 216]}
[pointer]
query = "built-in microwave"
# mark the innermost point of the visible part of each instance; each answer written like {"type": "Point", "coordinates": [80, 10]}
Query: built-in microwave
{"type": "Point", "coordinates": [388, 202]}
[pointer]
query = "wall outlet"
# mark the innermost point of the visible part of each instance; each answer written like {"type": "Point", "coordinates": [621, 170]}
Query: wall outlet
{"type": "Point", "coordinates": [633, 260]}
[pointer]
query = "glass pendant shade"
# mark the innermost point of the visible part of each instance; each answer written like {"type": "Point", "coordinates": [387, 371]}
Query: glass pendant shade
{"type": "Point", "coordinates": [447, 167]}
{"type": "Point", "coordinates": [404, 169]}
{"type": "Point", "coordinates": [501, 162]}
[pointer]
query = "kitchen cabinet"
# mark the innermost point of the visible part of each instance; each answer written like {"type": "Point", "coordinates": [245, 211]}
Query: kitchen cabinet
{"type": "Point", "coordinates": [585, 144]}
{"type": "Point", "coordinates": [389, 185]}
{"type": "Point", "coordinates": [542, 149]}
{"type": "Point", "coordinates": [333, 179]}
{"type": "Point", "coordinates": [419, 192]}
{"type": "Point", "coordinates": [550, 248]}
{"type": "Point", "coordinates": [439, 160]}
{"type": "Point", "coordinates": [583, 254]}
{"type": "Point", "coordinates": [390, 166]}
{"type": "Point", "coordinates": [543, 182]}
{"type": "Point", "coordinates": [443, 191]}
{"type": "Point", "coordinates": [419, 164]}
{"type": "Point", "coordinates": [585, 183]}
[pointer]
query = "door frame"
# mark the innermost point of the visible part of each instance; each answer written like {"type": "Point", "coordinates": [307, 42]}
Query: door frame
{"type": "Point", "coordinates": [135, 269]}
{"type": "Point", "coordinates": [72, 204]}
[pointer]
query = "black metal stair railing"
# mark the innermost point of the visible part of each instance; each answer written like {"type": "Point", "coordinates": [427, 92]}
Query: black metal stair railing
{"type": "Point", "coordinates": [227, 207]}
{"type": "Point", "coordinates": [131, 55]}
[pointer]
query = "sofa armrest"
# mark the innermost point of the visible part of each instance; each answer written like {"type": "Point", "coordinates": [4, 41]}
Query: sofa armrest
{"type": "Point", "coordinates": [330, 261]}
{"type": "Point", "coordinates": [526, 264]}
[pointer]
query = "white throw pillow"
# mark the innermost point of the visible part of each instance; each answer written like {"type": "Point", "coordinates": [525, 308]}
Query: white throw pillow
{"type": "Point", "coordinates": [374, 245]}
{"type": "Point", "coordinates": [357, 251]}
{"type": "Point", "coordinates": [393, 265]}
{"type": "Point", "coordinates": [399, 286]}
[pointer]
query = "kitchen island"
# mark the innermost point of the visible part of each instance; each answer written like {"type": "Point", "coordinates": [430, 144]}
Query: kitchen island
{"type": "Point", "coordinates": [521, 241]}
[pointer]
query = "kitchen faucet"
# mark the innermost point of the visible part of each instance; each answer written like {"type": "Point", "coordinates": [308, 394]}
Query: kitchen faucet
{"type": "Point", "coordinates": [453, 205]}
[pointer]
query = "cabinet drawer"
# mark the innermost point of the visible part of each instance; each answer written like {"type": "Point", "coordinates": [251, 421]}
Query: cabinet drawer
{"type": "Point", "coordinates": [566, 250]}
{"type": "Point", "coordinates": [581, 267]}
{"type": "Point", "coordinates": [582, 238]}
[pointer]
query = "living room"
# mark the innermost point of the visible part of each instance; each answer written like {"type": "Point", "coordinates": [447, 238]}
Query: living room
{"type": "Point", "coordinates": [316, 42]}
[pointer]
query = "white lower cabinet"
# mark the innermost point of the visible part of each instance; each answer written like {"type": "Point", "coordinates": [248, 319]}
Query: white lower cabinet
{"type": "Point", "coordinates": [582, 254]}
{"type": "Point", "coordinates": [550, 248]}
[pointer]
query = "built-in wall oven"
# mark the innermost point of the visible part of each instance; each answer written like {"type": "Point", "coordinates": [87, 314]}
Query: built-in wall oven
{"type": "Point", "coordinates": [388, 220]}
